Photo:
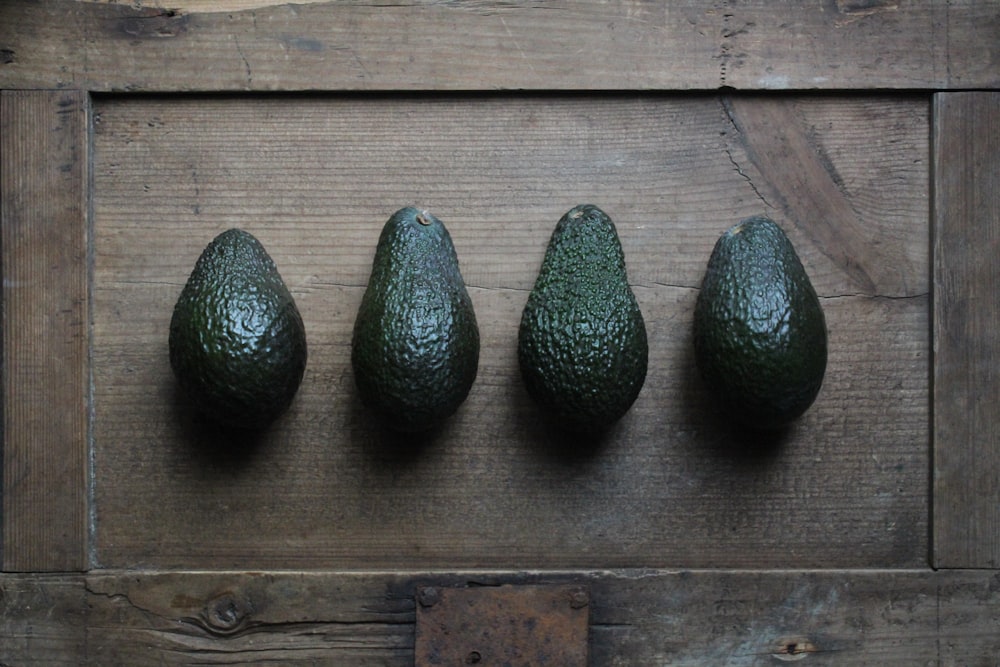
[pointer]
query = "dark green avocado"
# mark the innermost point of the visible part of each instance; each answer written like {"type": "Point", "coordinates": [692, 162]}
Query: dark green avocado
{"type": "Point", "coordinates": [759, 330]}
{"type": "Point", "coordinates": [415, 347]}
{"type": "Point", "coordinates": [582, 345]}
{"type": "Point", "coordinates": [237, 342]}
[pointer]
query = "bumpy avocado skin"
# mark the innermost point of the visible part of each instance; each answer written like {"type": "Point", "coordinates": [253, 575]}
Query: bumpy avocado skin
{"type": "Point", "coordinates": [582, 345]}
{"type": "Point", "coordinates": [237, 341]}
{"type": "Point", "coordinates": [415, 346]}
{"type": "Point", "coordinates": [760, 335]}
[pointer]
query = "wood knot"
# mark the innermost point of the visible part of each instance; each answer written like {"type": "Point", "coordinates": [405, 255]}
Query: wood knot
{"type": "Point", "coordinates": [225, 614]}
{"type": "Point", "coordinates": [153, 23]}
{"type": "Point", "coordinates": [794, 648]}
{"type": "Point", "coordinates": [866, 6]}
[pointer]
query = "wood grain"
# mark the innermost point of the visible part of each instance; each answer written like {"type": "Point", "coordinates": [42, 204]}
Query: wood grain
{"type": "Point", "coordinates": [316, 177]}
{"type": "Point", "coordinates": [688, 618]}
{"type": "Point", "coordinates": [800, 179]}
{"type": "Point", "coordinates": [623, 44]}
{"type": "Point", "coordinates": [966, 319]}
{"type": "Point", "coordinates": [43, 620]}
{"type": "Point", "coordinates": [43, 180]}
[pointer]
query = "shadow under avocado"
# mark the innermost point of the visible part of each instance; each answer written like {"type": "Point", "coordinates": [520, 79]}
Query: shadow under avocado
{"type": "Point", "coordinates": [748, 445]}
{"type": "Point", "coordinates": [553, 441]}
{"type": "Point", "coordinates": [565, 446]}
{"type": "Point", "coordinates": [725, 437]}
{"type": "Point", "coordinates": [399, 448]}
{"type": "Point", "coordinates": [216, 445]}
{"type": "Point", "coordinates": [383, 444]}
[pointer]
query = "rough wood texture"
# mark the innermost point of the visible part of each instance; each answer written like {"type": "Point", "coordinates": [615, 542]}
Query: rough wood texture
{"type": "Point", "coordinates": [738, 619]}
{"type": "Point", "coordinates": [316, 177]}
{"type": "Point", "coordinates": [623, 44]}
{"type": "Point", "coordinates": [42, 620]}
{"type": "Point", "coordinates": [43, 176]}
{"type": "Point", "coordinates": [966, 319]}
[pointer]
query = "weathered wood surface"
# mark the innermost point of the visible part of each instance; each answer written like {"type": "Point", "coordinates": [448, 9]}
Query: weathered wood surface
{"type": "Point", "coordinates": [43, 232]}
{"type": "Point", "coordinates": [738, 619]}
{"type": "Point", "coordinates": [316, 177]}
{"type": "Point", "coordinates": [966, 321]}
{"type": "Point", "coordinates": [623, 44]}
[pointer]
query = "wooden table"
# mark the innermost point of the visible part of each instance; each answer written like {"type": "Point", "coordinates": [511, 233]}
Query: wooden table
{"type": "Point", "coordinates": [867, 533]}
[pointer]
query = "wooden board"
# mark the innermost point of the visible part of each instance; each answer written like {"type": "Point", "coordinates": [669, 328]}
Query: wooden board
{"type": "Point", "coordinates": [966, 317]}
{"type": "Point", "coordinates": [741, 619]}
{"type": "Point", "coordinates": [316, 177]}
{"type": "Point", "coordinates": [236, 45]}
{"type": "Point", "coordinates": [857, 485]}
{"type": "Point", "coordinates": [46, 383]}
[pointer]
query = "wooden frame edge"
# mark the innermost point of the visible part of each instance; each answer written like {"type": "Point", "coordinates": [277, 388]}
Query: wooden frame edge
{"type": "Point", "coordinates": [636, 617]}
{"type": "Point", "coordinates": [225, 45]}
{"type": "Point", "coordinates": [966, 310]}
{"type": "Point", "coordinates": [43, 178]}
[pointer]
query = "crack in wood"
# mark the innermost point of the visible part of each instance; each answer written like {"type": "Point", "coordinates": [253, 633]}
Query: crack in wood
{"type": "Point", "coordinates": [320, 626]}
{"type": "Point", "coordinates": [498, 288]}
{"type": "Point", "coordinates": [862, 295]}
{"type": "Point", "coordinates": [657, 283]}
{"type": "Point", "coordinates": [746, 177]}
{"type": "Point", "coordinates": [246, 63]}
{"type": "Point", "coordinates": [115, 597]}
{"type": "Point", "coordinates": [727, 109]}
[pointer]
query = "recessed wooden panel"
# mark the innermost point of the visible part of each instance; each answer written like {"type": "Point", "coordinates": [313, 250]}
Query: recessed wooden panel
{"type": "Point", "coordinates": [672, 485]}
{"type": "Point", "coordinates": [43, 180]}
{"type": "Point", "coordinates": [966, 320]}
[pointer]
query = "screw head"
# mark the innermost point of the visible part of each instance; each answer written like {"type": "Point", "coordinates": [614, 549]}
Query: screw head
{"type": "Point", "coordinates": [428, 596]}
{"type": "Point", "coordinates": [579, 598]}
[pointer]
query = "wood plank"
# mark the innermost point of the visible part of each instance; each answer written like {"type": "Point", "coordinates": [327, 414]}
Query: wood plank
{"type": "Point", "coordinates": [43, 620]}
{"type": "Point", "coordinates": [738, 618]}
{"type": "Point", "coordinates": [976, 60]}
{"type": "Point", "coordinates": [316, 177]}
{"type": "Point", "coordinates": [594, 45]}
{"type": "Point", "coordinates": [43, 179]}
{"type": "Point", "coordinates": [966, 339]}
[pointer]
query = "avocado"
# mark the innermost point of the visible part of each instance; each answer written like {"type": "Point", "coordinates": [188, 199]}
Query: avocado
{"type": "Point", "coordinates": [415, 346]}
{"type": "Point", "coordinates": [237, 342]}
{"type": "Point", "coordinates": [759, 331]}
{"type": "Point", "coordinates": [582, 346]}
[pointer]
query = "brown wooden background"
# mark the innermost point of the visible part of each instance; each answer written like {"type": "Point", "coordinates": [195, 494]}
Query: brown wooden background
{"type": "Point", "coordinates": [132, 135]}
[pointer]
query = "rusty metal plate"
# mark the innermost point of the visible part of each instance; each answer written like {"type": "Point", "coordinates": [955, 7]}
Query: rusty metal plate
{"type": "Point", "coordinates": [502, 626]}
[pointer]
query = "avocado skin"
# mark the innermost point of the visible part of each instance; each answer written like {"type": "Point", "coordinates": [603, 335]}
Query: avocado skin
{"type": "Point", "coordinates": [415, 345]}
{"type": "Point", "coordinates": [582, 345]}
{"type": "Point", "coordinates": [237, 342]}
{"type": "Point", "coordinates": [760, 336]}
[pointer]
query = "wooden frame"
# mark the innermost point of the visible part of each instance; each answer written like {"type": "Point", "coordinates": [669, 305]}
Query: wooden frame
{"type": "Point", "coordinates": [57, 608]}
